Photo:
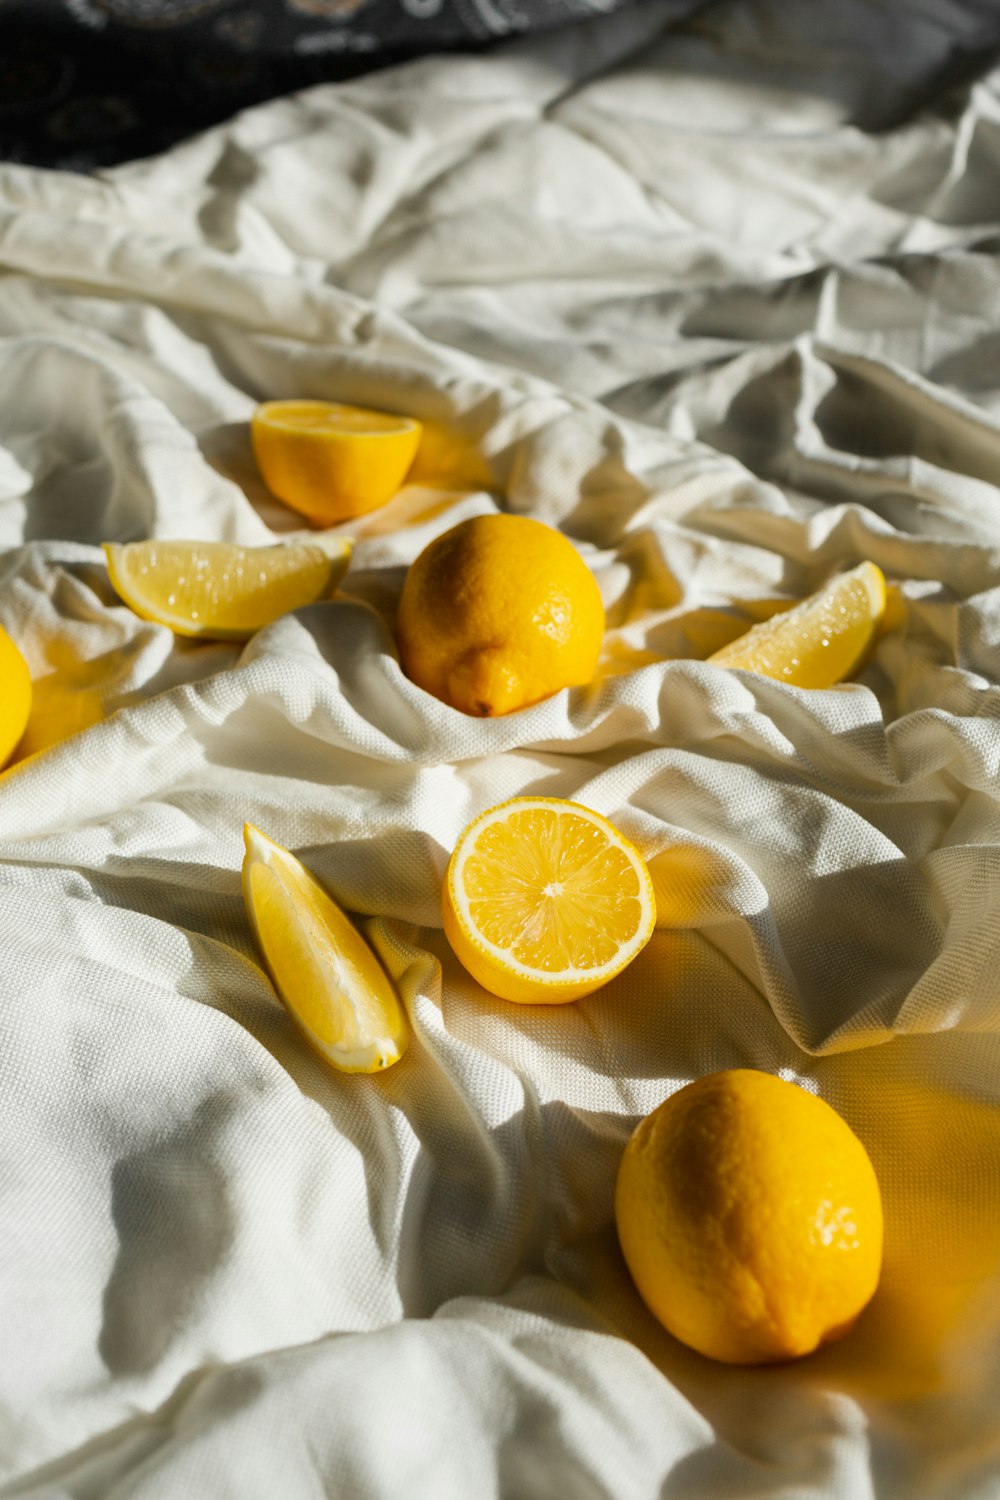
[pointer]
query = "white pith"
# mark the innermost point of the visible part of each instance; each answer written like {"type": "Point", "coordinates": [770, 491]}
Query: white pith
{"type": "Point", "coordinates": [503, 955]}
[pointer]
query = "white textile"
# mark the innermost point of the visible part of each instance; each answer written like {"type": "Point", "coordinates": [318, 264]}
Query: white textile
{"type": "Point", "coordinates": [720, 299]}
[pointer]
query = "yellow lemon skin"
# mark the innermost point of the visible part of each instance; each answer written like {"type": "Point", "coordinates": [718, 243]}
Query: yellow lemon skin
{"type": "Point", "coordinates": [331, 462]}
{"type": "Point", "coordinates": [497, 614]}
{"type": "Point", "coordinates": [15, 696]}
{"type": "Point", "coordinates": [750, 1218]}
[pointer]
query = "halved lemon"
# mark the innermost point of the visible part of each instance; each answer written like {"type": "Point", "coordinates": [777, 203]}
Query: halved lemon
{"type": "Point", "coordinates": [15, 696]}
{"type": "Point", "coordinates": [819, 642]}
{"type": "Point", "coordinates": [334, 987]}
{"type": "Point", "coordinates": [332, 462]}
{"type": "Point", "coordinates": [544, 900]}
{"type": "Point", "coordinates": [221, 591]}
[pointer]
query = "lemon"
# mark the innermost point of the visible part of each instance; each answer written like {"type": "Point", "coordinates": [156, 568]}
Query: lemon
{"type": "Point", "coordinates": [332, 462]}
{"type": "Point", "coordinates": [498, 613]}
{"type": "Point", "coordinates": [820, 641]}
{"type": "Point", "coordinates": [544, 900]}
{"type": "Point", "coordinates": [750, 1218]}
{"type": "Point", "coordinates": [15, 696]}
{"type": "Point", "coordinates": [332, 983]}
{"type": "Point", "coordinates": [218, 590]}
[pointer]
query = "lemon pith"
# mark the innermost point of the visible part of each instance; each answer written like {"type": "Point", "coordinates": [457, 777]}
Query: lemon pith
{"type": "Point", "coordinates": [544, 901]}
{"type": "Point", "coordinates": [218, 590]}
{"type": "Point", "coordinates": [331, 982]}
{"type": "Point", "coordinates": [15, 696]}
{"type": "Point", "coordinates": [820, 641]}
{"type": "Point", "coordinates": [331, 462]}
{"type": "Point", "coordinates": [498, 613]}
{"type": "Point", "coordinates": [750, 1217]}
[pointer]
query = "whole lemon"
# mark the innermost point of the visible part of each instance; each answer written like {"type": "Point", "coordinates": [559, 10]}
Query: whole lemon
{"type": "Point", "coordinates": [15, 696]}
{"type": "Point", "coordinates": [498, 613]}
{"type": "Point", "coordinates": [750, 1218]}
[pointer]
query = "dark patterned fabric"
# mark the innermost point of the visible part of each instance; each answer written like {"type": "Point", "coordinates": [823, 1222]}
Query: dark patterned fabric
{"type": "Point", "coordinates": [87, 83]}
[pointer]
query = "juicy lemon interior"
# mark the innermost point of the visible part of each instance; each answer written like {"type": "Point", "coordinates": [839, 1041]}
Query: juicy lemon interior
{"type": "Point", "coordinates": [549, 889]}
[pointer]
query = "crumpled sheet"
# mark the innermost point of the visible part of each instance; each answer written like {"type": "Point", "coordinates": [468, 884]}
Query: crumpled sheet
{"type": "Point", "coordinates": [720, 300]}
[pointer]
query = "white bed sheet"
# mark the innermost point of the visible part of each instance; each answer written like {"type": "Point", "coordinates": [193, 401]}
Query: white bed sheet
{"type": "Point", "coordinates": [719, 299]}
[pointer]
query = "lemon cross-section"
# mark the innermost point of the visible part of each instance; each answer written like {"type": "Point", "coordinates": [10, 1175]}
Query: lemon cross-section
{"type": "Point", "coordinates": [329, 461]}
{"type": "Point", "coordinates": [329, 978]}
{"type": "Point", "coordinates": [819, 642]}
{"type": "Point", "coordinates": [15, 696]}
{"type": "Point", "coordinates": [219, 590]}
{"type": "Point", "coordinates": [544, 900]}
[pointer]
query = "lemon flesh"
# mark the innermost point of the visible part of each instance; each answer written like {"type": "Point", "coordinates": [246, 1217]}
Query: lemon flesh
{"type": "Point", "coordinates": [218, 590]}
{"type": "Point", "coordinates": [819, 642]}
{"type": "Point", "coordinates": [544, 901]}
{"type": "Point", "coordinates": [15, 696]}
{"type": "Point", "coordinates": [750, 1218]}
{"type": "Point", "coordinates": [330, 980]}
{"type": "Point", "coordinates": [331, 462]}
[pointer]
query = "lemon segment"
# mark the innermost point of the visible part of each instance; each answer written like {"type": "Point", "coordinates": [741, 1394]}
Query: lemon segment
{"type": "Point", "coordinates": [819, 642]}
{"type": "Point", "coordinates": [330, 980]}
{"type": "Point", "coordinates": [15, 696]}
{"type": "Point", "coordinates": [218, 590]}
{"type": "Point", "coordinates": [750, 1218]}
{"type": "Point", "coordinates": [331, 462]}
{"type": "Point", "coordinates": [544, 901]}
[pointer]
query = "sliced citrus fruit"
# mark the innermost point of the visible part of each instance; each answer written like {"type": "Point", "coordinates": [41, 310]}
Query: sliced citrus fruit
{"type": "Point", "coordinates": [221, 591]}
{"type": "Point", "coordinates": [544, 901]}
{"type": "Point", "coordinates": [15, 696]}
{"type": "Point", "coordinates": [332, 983]}
{"type": "Point", "coordinates": [331, 462]}
{"type": "Point", "coordinates": [818, 642]}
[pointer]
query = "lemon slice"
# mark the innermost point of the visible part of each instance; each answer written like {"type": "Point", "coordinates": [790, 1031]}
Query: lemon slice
{"type": "Point", "coordinates": [15, 696]}
{"type": "Point", "coordinates": [333, 985]}
{"type": "Point", "coordinates": [332, 462]}
{"type": "Point", "coordinates": [818, 642]}
{"type": "Point", "coordinates": [544, 901]}
{"type": "Point", "coordinates": [218, 590]}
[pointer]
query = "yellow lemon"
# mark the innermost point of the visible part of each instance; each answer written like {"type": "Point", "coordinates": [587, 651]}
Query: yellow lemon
{"type": "Point", "coordinates": [15, 696]}
{"type": "Point", "coordinates": [820, 641]}
{"type": "Point", "coordinates": [218, 590]}
{"type": "Point", "coordinates": [750, 1218]}
{"type": "Point", "coordinates": [544, 900]}
{"type": "Point", "coordinates": [332, 462]}
{"type": "Point", "coordinates": [332, 983]}
{"type": "Point", "coordinates": [498, 613]}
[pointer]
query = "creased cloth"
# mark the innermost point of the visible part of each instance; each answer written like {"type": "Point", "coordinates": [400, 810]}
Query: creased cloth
{"type": "Point", "coordinates": [720, 301]}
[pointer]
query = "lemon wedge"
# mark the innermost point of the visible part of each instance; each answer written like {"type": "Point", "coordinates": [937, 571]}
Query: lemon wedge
{"type": "Point", "coordinates": [221, 591]}
{"type": "Point", "coordinates": [15, 696]}
{"type": "Point", "coordinates": [819, 642]}
{"type": "Point", "coordinates": [544, 900]}
{"type": "Point", "coordinates": [331, 982]}
{"type": "Point", "coordinates": [331, 462]}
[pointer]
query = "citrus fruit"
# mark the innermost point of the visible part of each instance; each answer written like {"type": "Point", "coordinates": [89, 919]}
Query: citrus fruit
{"type": "Point", "coordinates": [332, 983]}
{"type": "Point", "coordinates": [820, 641]}
{"type": "Point", "coordinates": [750, 1218]}
{"type": "Point", "coordinates": [544, 901]}
{"type": "Point", "coordinates": [218, 590]}
{"type": "Point", "coordinates": [498, 613]}
{"type": "Point", "coordinates": [15, 696]}
{"type": "Point", "coordinates": [331, 462]}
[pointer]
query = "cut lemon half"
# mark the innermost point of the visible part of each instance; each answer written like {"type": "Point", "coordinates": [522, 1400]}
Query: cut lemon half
{"type": "Point", "coordinates": [819, 642]}
{"type": "Point", "coordinates": [331, 462]}
{"type": "Point", "coordinates": [331, 982]}
{"type": "Point", "coordinates": [544, 901]}
{"type": "Point", "coordinates": [15, 696]}
{"type": "Point", "coordinates": [221, 591]}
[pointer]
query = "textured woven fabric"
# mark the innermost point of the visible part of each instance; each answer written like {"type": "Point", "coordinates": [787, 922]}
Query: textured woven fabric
{"type": "Point", "coordinates": [719, 301]}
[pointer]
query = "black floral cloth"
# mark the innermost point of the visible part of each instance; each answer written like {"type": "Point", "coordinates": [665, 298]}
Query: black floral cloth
{"type": "Point", "coordinates": [88, 83]}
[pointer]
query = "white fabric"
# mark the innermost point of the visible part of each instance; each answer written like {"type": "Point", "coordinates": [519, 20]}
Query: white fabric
{"type": "Point", "coordinates": [720, 300]}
